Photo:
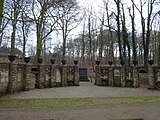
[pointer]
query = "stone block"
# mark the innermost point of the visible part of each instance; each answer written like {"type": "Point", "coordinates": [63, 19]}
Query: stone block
{"type": "Point", "coordinates": [98, 75]}
{"type": "Point", "coordinates": [135, 77]}
{"type": "Point", "coordinates": [64, 76]}
{"type": "Point", "coordinates": [117, 76]}
{"type": "Point", "coordinates": [151, 77]}
{"type": "Point", "coordinates": [13, 76]}
{"type": "Point", "coordinates": [76, 75]}
{"type": "Point", "coordinates": [40, 77]}
{"type": "Point", "coordinates": [111, 76]}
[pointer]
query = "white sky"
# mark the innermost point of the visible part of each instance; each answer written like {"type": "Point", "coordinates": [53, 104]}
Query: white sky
{"type": "Point", "coordinates": [98, 7]}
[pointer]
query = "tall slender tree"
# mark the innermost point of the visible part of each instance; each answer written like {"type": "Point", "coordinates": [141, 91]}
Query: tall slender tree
{"type": "Point", "coordinates": [145, 25]}
{"type": "Point", "coordinates": [41, 18]}
{"type": "Point", "coordinates": [118, 15]}
{"type": "Point", "coordinates": [1, 11]}
{"type": "Point", "coordinates": [125, 38]}
{"type": "Point", "coordinates": [68, 12]}
{"type": "Point", "coordinates": [132, 15]}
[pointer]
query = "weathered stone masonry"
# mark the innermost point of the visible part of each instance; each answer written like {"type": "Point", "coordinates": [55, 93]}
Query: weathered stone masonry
{"type": "Point", "coordinates": [23, 77]}
{"type": "Point", "coordinates": [123, 76]}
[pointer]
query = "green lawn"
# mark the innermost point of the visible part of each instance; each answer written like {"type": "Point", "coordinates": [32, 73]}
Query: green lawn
{"type": "Point", "coordinates": [68, 102]}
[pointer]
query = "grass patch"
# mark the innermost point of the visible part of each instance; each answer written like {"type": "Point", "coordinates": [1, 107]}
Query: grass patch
{"type": "Point", "coordinates": [67, 102]}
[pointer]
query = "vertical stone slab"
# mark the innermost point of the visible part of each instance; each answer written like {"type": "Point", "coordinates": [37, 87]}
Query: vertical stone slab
{"type": "Point", "coordinates": [151, 77]}
{"type": "Point", "coordinates": [76, 75]}
{"type": "Point", "coordinates": [4, 78]}
{"type": "Point", "coordinates": [117, 76]}
{"type": "Point", "coordinates": [111, 74]}
{"type": "Point", "coordinates": [40, 77]}
{"type": "Point", "coordinates": [135, 77]}
{"type": "Point", "coordinates": [52, 82]}
{"type": "Point", "coordinates": [98, 75]}
{"type": "Point", "coordinates": [157, 78]}
{"type": "Point", "coordinates": [123, 78]}
{"type": "Point", "coordinates": [27, 77]}
{"type": "Point", "coordinates": [46, 75]}
{"type": "Point", "coordinates": [12, 78]}
{"type": "Point", "coordinates": [64, 76]}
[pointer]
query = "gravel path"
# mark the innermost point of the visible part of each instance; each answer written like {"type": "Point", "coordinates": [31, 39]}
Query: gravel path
{"type": "Point", "coordinates": [147, 111]}
{"type": "Point", "coordinates": [85, 90]}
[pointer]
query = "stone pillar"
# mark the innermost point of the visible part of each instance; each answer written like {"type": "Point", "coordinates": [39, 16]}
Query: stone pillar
{"type": "Point", "coordinates": [40, 77]}
{"type": "Point", "coordinates": [26, 77]}
{"type": "Point", "coordinates": [64, 76]}
{"type": "Point", "coordinates": [52, 82]}
{"type": "Point", "coordinates": [12, 78]}
{"type": "Point", "coordinates": [157, 80]}
{"type": "Point", "coordinates": [135, 77]}
{"type": "Point", "coordinates": [111, 74]}
{"type": "Point", "coordinates": [151, 77]}
{"type": "Point", "coordinates": [123, 77]}
{"type": "Point", "coordinates": [46, 75]}
{"type": "Point", "coordinates": [98, 75]}
{"type": "Point", "coordinates": [76, 75]}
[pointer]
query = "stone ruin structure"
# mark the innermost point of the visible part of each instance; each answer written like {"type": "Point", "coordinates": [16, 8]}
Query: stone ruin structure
{"type": "Point", "coordinates": [23, 77]}
{"type": "Point", "coordinates": [124, 76]}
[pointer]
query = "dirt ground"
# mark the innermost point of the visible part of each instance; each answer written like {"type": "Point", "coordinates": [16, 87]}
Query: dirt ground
{"type": "Point", "coordinates": [149, 111]}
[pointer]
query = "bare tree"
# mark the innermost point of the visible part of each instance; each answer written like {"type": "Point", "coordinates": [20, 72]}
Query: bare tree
{"type": "Point", "coordinates": [132, 15]}
{"type": "Point", "coordinates": [1, 11]}
{"type": "Point", "coordinates": [2, 28]}
{"type": "Point", "coordinates": [15, 11]}
{"type": "Point", "coordinates": [126, 44]}
{"type": "Point", "coordinates": [101, 37]}
{"type": "Point", "coordinates": [44, 16]}
{"type": "Point", "coordinates": [68, 12]}
{"type": "Point", "coordinates": [110, 31]}
{"type": "Point", "coordinates": [118, 15]}
{"type": "Point", "coordinates": [146, 26]}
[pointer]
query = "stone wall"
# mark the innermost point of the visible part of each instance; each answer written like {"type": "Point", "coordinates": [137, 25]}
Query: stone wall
{"type": "Point", "coordinates": [4, 78]}
{"type": "Point", "coordinates": [118, 76]}
{"type": "Point", "coordinates": [23, 77]}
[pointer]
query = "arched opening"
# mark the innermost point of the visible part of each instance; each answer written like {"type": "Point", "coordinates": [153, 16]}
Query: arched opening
{"type": "Point", "coordinates": [142, 71]}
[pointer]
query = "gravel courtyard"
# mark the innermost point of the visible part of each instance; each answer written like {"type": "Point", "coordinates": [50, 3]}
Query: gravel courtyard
{"type": "Point", "coordinates": [85, 90]}
{"type": "Point", "coordinates": [143, 111]}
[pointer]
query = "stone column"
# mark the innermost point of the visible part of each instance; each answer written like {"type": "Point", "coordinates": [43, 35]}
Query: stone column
{"type": "Point", "coordinates": [151, 77]}
{"type": "Point", "coordinates": [122, 75]}
{"type": "Point", "coordinates": [135, 77]}
{"type": "Point", "coordinates": [26, 77]}
{"type": "Point", "coordinates": [12, 78]}
{"type": "Point", "coordinates": [40, 77]}
{"type": "Point", "coordinates": [98, 75]}
{"type": "Point", "coordinates": [76, 75]}
{"type": "Point", "coordinates": [52, 82]}
{"type": "Point", "coordinates": [46, 75]}
{"type": "Point", "coordinates": [111, 74]}
{"type": "Point", "coordinates": [64, 76]}
{"type": "Point", "coordinates": [157, 80]}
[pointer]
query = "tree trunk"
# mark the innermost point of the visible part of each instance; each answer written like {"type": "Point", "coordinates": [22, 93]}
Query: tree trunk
{"type": "Point", "coordinates": [90, 41]}
{"type": "Point", "coordinates": [13, 40]}
{"type": "Point", "coordinates": [158, 48]}
{"type": "Point", "coordinates": [24, 38]}
{"type": "Point", "coordinates": [83, 44]}
{"type": "Point", "coordinates": [134, 54]}
{"type": "Point", "coordinates": [101, 40]}
{"type": "Point", "coordinates": [1, 11]}
{"type": "Point", "coordinates": [39, 41]}
{"type": "Point", "coordinates": [119, 30]}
